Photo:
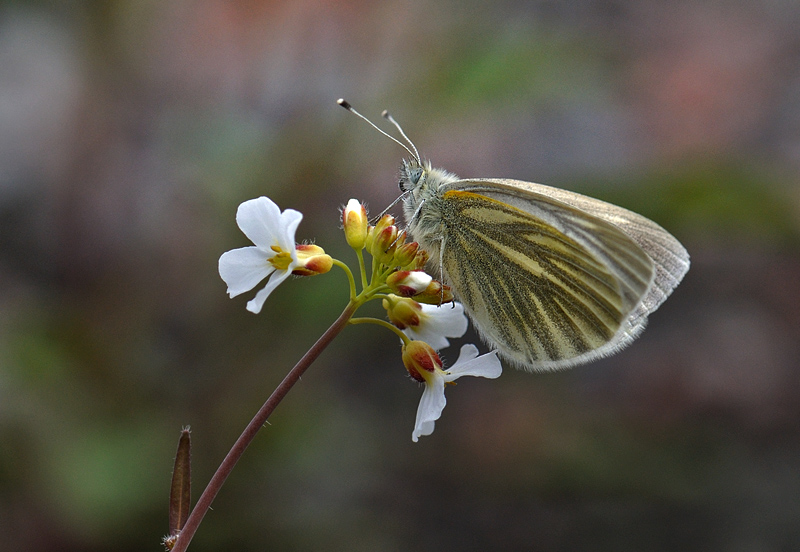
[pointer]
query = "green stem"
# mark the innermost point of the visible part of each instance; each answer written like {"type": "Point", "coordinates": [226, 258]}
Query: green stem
{"type": "Point", "coordinates": [370, 293]}
{"type": "Point", "coordinates": [258, 421]}
{"type": "Point", "coordinates": [384, 323]}
{"type": "Point", "coordinates": [375, 270]}
{"type": "Point", "coordinates": [350, 278]}
{"type": "Point", "coordinates": [362, 268]}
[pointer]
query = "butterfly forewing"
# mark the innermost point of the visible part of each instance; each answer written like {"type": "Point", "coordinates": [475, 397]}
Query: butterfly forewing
{"type": "Point", "coordinates": [670, 258]}
{"type": "Point", "coordinates": [551, 286]}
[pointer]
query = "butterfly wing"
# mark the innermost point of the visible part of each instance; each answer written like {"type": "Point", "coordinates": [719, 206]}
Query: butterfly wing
{"type": "Point", "coordinates": [670, 258]}
{"type": "Point", "coordinates": [550, 285]}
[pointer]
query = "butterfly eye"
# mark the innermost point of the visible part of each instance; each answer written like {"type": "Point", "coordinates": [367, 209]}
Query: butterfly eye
{"type": "Point", "coordinates": [410, 176]}
{"type": "Point", "coordinates": [414, 176]}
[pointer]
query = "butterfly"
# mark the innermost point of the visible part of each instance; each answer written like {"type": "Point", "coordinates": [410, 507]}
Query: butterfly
{"type": "Point", "coordinates": [550, 278]}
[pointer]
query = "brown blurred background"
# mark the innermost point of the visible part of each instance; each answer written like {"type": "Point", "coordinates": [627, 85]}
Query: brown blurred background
{"type": "Point", "coordinates": [129, 133]}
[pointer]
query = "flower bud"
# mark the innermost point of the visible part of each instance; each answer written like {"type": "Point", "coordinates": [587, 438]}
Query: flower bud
{"type": "Point", "coordinates": [420, 260]}
{"type": "Point", "coordinates": [384, 244]}
{"type": "Point", "coordinates": [311, 260]}
{"type": "Point", "coordinates": [401, 311]}
{"type": "Point", "coordinates": [406, 254]}
{"type": "Point", "coordinates": [408, 283]}
{"type": "Point", "coordinates": [420, 360]}
{"type": "Point", "coordinates": [436, 294]}
{"type": "Point", "coordinates": [354, 221]}
{"type": "Point", "coordinates": [373, 232]}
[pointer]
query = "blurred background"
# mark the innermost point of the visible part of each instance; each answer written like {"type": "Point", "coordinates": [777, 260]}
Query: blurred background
{"type": "Point", "coordinates": [129, 134]}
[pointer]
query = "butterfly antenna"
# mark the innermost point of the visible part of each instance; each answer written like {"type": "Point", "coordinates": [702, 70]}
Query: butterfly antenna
{"type": "Point", "coordinates": [349, 108]}
{"type": "Point", "coordinates": [389, 118]}
{"type": "Point", "coordinates": [392, 204]}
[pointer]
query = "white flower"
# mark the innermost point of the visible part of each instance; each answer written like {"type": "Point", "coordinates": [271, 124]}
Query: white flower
{"type": "Point", "coordinates": [437, 323]}
{"type": "Point", "coordinates": [433, 402]}
{"type": "Point", "coordinates": [273, 254]}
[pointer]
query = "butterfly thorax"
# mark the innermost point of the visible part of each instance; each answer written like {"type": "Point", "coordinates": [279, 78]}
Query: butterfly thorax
{"type": "Point", "coordinates": [422, 185]}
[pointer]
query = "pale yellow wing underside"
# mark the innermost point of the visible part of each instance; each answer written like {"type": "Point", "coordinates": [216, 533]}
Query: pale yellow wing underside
{"type": "Point", "coordinates": [550, 278]}
{"type": "Point", "coordinates": [670, 258]}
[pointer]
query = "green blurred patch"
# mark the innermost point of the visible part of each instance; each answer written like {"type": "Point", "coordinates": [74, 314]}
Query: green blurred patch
{"type": "Point", "coordinates": [711, 199]}
{"type": "Point", "coordinates": [522, 66]}
{"type": "Point", "coordinates": [100, 473]}
{"type": "Point", "coordinates": [72, 440]}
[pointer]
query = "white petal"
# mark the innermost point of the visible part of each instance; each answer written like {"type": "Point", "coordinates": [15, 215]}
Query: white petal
{"type": "Point", "coordinates": [470, 364]}
{"type": "Point", "coordinates": [255, 304]}
{"type": "Point", "coordinates": [290, 220]}
{"type": "Point", "coordinates": [418, 280]}
{"type": "Point", "coordinates": [242, 269]}
{"type": "Point", "coordinates": [261, 221]}
{"type": "Point", "coordinates": [450, 320]}
{"type": "Point", "coordinates": [468, 352]}
{"type": "Point", "coordinates": [353, 205]}
{"type": "Point", "coordinates": [439, 323]}
{"type": "Point", "coordinates": [424, 332]}
{"type": "Point", "coordinates": [430, 408]}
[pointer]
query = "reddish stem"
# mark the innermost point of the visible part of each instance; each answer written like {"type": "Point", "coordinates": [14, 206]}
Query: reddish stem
{"type": "Point", "coordinates": [258, 421]}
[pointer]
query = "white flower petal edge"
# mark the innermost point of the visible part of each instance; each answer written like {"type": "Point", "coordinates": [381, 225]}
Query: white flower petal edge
{"type": "Point", "coordinates": [242, 269]}
{"type": "Point", "coordinates": [433, 401]}
{"type": "Point", "coordinates": [437, 323]}
{"type": "Point", "coordinates": [430, 408]}
{"type": "Point", "coordinates": [256, 303]}
{"type": "Point", "coordinates": [263, 223]}
{"type": "Point", "coordinates": [470, 364]}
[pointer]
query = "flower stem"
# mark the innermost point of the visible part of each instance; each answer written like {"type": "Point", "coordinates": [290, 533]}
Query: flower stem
{"type": "Point", "coordinates": [258, 421]}
{"type": "Point", "coordinates": [360, 255]}
{"type": "Point", "coordinates": [350, 277]}
{"type": "Point", "coordinates": [383, 323]}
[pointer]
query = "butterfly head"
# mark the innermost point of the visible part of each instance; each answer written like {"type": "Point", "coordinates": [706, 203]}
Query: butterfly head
{"type": "Point", "coordinates": [412, 174]}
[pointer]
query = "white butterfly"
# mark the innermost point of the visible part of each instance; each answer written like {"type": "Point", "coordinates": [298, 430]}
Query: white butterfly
{"type": "Point", "coordinates": [550, 278]}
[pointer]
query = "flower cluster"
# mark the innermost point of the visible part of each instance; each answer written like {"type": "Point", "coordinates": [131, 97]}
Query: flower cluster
{"type": "Point", "coordinates": [274, 254]}
{"type": "Point", "coordinates": [420, 309]}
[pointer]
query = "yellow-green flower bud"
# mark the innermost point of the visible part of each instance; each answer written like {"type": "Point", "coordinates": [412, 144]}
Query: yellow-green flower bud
{"type": "Point", "coordinates": [354, 222]}
{"type": "Point", "coordinates": [420, 360]}
{"type": "Point", "coordinates": [384, 244]}
{"type": "Point", "coordinates": [406, 254]}
{"type": "Point", "coordinates": [420, 260]}
{"type": "Point", "coordinates": [402, 312]}
{"type": "Point", "coordinates": [373, 231]}
{"type": "Point", "coordinates": [312, 260]}
{"type": "Point", "coordinates": [436, 294]}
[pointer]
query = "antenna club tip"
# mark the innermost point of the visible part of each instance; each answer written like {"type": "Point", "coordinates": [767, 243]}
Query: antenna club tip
{"type": "Point", "coordinates": [385, 114]}
{"type": "Point", "coordinates": [345, 104]}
